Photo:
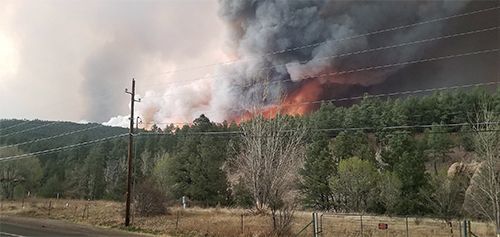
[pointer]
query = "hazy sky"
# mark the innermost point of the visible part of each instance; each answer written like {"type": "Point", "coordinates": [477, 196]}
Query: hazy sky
{"type": "Point", "coordinates": [72, 59]}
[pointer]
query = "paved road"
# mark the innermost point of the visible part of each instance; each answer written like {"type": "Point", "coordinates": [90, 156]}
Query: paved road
{"type": "Point", "coordinates": [14, 226]}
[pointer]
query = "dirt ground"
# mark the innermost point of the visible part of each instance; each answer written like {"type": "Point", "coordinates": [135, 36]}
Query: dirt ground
{"type": "Point", "coordinates": [232, 222]}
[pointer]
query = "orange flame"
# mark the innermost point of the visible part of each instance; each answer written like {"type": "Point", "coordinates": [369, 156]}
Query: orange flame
{"type": "Point", "coordinates": [296, 103]}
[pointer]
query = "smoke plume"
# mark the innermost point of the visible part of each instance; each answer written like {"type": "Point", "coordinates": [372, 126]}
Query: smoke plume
{"type": "Point", "coordinates": [264, 35]}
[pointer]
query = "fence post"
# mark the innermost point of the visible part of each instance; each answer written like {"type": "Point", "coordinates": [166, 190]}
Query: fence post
{"type": "Point", "coordinates": [321, 224]}
{"type": "Point", "coordinates": [315, 224]}
{"type": "Point", "coordinates": [88, 209]}
{"type": "Point", "coordinates": [242, 227]}
{"type": "Point", "coordinates": [460, 228]}
{"type": "Point", "coordinates": [361, 217]}
{"type": "Point", "coordinates": [50, 206]}
{"type": "Point", "coordinates": [470, 230]}
{"type": "Point", "coordinates": [83, 214]}
{"type": "Point", "coordinates": [407, 229]}
{"type": "Point", "coordinates": [450, 224]}
{"type": "Point", "coordinates": [132, 206]}
{"type": "Point", "coordinates": [466, 232]}
{"type": "Point", "coordinates": [177, 221]}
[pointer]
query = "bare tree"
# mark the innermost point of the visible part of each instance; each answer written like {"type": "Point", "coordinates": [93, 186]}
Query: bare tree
{"type": "Point", "coordinates": [483, 194]}
{"type": "Point", "coordinates": [149, 200]}
{"type": "Point", "coordinates": [445, 195]}
{"type": "Point", "coordinates": [271, 153]}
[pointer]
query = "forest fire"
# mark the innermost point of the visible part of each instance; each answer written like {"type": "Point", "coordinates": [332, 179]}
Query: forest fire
{"type": "Point", "coordinates": [297, 103]}
{"type": "Point", "coordinates": [327, 36]}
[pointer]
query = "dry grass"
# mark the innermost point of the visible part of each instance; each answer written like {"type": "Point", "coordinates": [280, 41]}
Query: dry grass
{"type": "Point", "coordinates": [227, 222]}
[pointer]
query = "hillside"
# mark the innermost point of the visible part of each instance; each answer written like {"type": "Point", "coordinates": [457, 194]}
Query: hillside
{"type": "Point", "coordinates": [36, 129]}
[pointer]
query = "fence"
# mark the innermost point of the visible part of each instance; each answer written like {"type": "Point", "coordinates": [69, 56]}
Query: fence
{"type": "Point", "coordinates": [51, 208]}
{"type": "Point", "coordinates": [357, 225]}
{"type": "Point", "coordinates": [234, 222]}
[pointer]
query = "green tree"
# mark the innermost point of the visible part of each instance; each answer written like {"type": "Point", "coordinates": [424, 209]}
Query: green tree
{"type": "Point", "coordinates": [467, 138]}
{"type": "Point", "coordinates": [148, 161]}
{"type": "Point", "coordinates": [319, 167]}
{"type": "Point", "coordinates": [52, 187]}
{"type": "Point", "coordinates": [328, 116]}
{"type": "Point", "coordinates": [242, 196]}
{"type": "Point", "coordinates": [394, 145]}
{"type": "Point", "coordinates": [390, 191]}
{"type": "Point", "coordinates": [392, 113]}
{"type": "Point", "coordinates": [438, 144]}
{"type": "Point", "coordinates": [23, 173]}
{"type": "Point", "coordinates": [352, 143]}
{"type": "Point", "coordinates": [92, 177]}
{"type": "Point", "coordinates": [161, 173]}
{"type": "Point", "coordinates": [115, 173]}
{"type": "Point", "coordinates": [355, 183]}
{"type": "Point", "coordinates": [411, 171]}
{"type": "Point", "coordinates": [196, 169]}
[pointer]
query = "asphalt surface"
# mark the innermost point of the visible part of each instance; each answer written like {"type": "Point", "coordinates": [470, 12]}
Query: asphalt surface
{"type": "Point", "coordinates": [15, 226]}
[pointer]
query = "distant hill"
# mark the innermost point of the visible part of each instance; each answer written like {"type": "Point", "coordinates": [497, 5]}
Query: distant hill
{"type": "Point", "coordinates": [26, 131]}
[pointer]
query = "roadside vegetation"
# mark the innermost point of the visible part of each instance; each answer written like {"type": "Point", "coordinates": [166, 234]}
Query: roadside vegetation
{"type": "Point", "coordinates": [224, 222]}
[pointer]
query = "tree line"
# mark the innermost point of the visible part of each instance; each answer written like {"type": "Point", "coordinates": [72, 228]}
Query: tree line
{"type": "Point", "coordinates": [373, 156]}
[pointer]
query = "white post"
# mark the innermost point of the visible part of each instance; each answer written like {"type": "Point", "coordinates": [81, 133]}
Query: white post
{"type": "Point", "coordinates": [315, 224]}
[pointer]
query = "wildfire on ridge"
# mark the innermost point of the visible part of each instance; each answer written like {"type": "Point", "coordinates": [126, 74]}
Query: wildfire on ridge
{"type": "Point", "coordinates": [296, 103]}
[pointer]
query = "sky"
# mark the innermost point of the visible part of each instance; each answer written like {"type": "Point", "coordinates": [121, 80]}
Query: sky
{"type": "Point", "coordinates": [72, 59]}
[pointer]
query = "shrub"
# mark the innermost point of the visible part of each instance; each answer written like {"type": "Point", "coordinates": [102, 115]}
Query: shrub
{"type": "Point", "coordinates": [149, 201]}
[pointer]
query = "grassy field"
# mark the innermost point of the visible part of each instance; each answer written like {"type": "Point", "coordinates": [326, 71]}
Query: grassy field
{"type": "Point", "coordinates": [229, 222]}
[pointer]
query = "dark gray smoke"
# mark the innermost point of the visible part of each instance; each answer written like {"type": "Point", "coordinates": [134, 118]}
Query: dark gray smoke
{"type": "Point", "coordinates": [263, 78]}
{"type": "Point", "coordinates": [261, 27]}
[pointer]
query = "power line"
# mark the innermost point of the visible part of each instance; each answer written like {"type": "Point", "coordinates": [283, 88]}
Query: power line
{"type": "Point", "coordinates": [333, 40]}
{"type": "Point", "coordinates": [403, 63]}
{"type": "Point", "coordinates": [330, 129]}
{"type": "Point", "coordinates": [410, 116]}
{"type": "Point", "coordinates": [48, 151]}
{"type": "Point", "coordinates": [393, 94]}
{"type": "Point", "coordinates": [16, 125]}
{"type": "Point", "coordinates": [387, 47]}
{"type": "Point", "coordinates": [370, 68]}
{"type": "Point", "coordinates": [184, 82]}
{"type": "Point", "coordinates": [390, 94]}
{"type": "Point", "coordinates": [51, 137]}
{"type": "Point", "coordinates": [407, 126]}
{"type": "Point", "coordinates": [387, 65]}
{"type": "Point", "coordinates": [384, 30]}
{"type": "Point", "coordinates": [29, 129]}
{"type": "Point", "coordinates": [43, 152]}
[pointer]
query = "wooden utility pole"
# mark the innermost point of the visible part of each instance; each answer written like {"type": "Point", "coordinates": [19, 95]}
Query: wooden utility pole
{"type": "Point", "coordinates": [130, 152]}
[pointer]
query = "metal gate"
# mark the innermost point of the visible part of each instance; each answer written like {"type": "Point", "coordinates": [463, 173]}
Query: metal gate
{"type": "Point", "coordinates": [357, 225]}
